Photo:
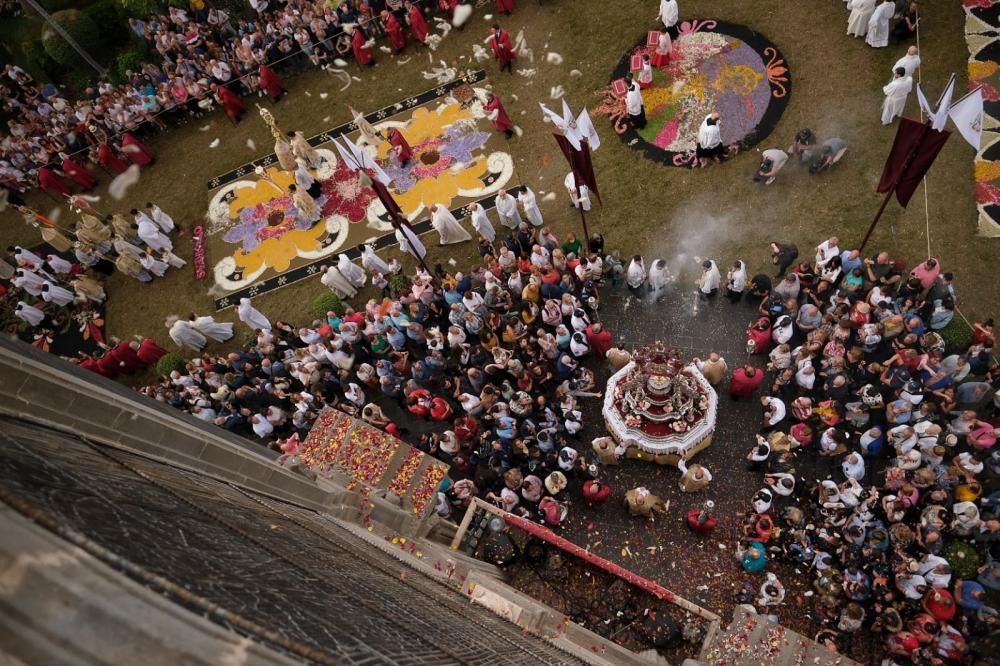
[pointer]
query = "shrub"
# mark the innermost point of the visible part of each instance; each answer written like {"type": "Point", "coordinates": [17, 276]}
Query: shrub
{"type": "Point", "coordinates": [327, 302]}
{"type": "Point", "coordinates": [957, 336]}
{"type": "Point", "coordinates": [141, 8]}
{"type": "Point", "coordinates": [168, 363]}
{"type": "Point", "coordinates": [37, 60]}
{"type": "Point", "coordinates": [130, 60]}
{"type": "Point", "coordinates": [111, 23]}
{"type": "Point", "coordinates": [398, 283]}
{"type": "Point", "coordinates": [78, 26]}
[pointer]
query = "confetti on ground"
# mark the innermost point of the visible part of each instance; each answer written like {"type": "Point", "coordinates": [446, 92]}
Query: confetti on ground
{"type": "Point", "coordinates": [251, 145]}
{"type": "Point", "coordinates": [553, 58]}
{"type": "Point", "coordinates": [339, 63]}
{"type": "Point", "coordinates": [215, 143]}
{"type": "Point", "coordinates": [205, 128]}
{"type": "Point", "coordinates": [551, 196]}
{"type": "Point", "coordinates": [308, 94]}
{"type": "Point", "coordinates": [575, 72]}
{"type": "Point", "coordinates": [324, 95]}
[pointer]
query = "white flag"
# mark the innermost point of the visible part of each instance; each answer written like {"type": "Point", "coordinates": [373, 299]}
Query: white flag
{"type": "Point", "coordinates": [938, 116]}
{"type": "Point", "coordinates": [587, 131]}
{"type": "Point", "coordinates": [967, 114]}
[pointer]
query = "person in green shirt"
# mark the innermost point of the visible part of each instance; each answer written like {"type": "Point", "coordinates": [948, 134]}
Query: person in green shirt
{"type": "Point", "coordinates": [572, 244]}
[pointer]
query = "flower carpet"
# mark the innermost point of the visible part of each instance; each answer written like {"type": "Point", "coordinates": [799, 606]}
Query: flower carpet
{"type": "Point", "coordinates": [982, 34]}
{"type": "Point", "coordinates": [256, 239]}
{"type": "Point", "coordinates": [714, 66]}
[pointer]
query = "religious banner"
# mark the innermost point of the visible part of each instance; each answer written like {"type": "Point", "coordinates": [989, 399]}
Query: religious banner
{"type": "Point", "coordinates": [913, 151]}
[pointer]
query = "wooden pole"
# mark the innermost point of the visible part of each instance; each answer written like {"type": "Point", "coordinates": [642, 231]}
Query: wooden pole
{"type": "Point", "coordinates": [878, 216]}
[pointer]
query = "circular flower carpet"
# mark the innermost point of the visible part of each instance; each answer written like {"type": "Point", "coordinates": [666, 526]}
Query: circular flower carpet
{"type": "Point", "coordinates": [714, 66]}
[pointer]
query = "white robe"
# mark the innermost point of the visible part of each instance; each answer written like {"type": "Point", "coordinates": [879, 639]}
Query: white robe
{"type": "Point", "coordinates": [29, 313]}
{"type": "Point", "coordinates": [710, 279]}
{"type": "Point", "coordinates": [481, 223]}
{"type": "Point", "coordinates": [30, 281]}
{"type": "Point", "coordinates": [410, 243]}
{"type": "Point", "coordinates": [173, 259]}
{"type": "Point", "coordinates": [909, 63]}
{"type": "Point", "coordinates": [584, 199]}
{"type": "Point", "coordinates": [737, 278]}
{"type": "Point", "coordinates": [253, 317]}
{"type": "Point", "coordinates": [154, 265]}
{"type": "Point", "coordinates": [861, 11]}
{"type": "Point", "coordinates": [335, 281]}
{"type": "Point", "coordinates": [58, 295]}
{"type": "Point", "coordinates": [709, 136]}
{"type": "Point", "coordinates": [58, 264]}
{"type": "Point", "coordinates": [372, 262]}
{"type": "Point", "coordinates": [150, 233]}
{"type": "Point", "coordinates": [895, 98]}
{"type": "Point", "coordinates": [530, 205]}
{"type": "Point", "coordinates": [636, 274]}
{"type": "Point", "coordinates": [878, 25]}
{"type": "Point", "coordinates": [668, 13]}
{"type": "Point", "coordinates": [122, 246]}
{"type": "Point", "coordinates": [448, 228]}
{"type": "Point", "coordinates": [22, 256]}
{"type": "Point", "coordinates": [659, 275]}
{"type": "Point", "coordinates": [185, 335]}
{"type": "Point", "coordinates": [218, 331]}
{"type": "Point", "coordinates": [507, 210]}
{"type": "Point", "coordinates": [633, 100]}
{"type": "Point", "coordinates": [164, 221]}
{"type": "Point", "coordinates": [350, 270]}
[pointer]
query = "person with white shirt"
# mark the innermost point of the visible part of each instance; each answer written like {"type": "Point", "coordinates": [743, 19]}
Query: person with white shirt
{"type": "Point", "coordinates": [896, 93]}
{"type": "Point", "coordinates": [910, 62]}
{"type": "Point", "coordinates": [710, 139]}
{"type": "Point", "coordinates": [774, 411]}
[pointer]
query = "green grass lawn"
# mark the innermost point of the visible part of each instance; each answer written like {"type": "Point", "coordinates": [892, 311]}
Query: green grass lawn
{"type": "Point", "coordinates": [648, 208]}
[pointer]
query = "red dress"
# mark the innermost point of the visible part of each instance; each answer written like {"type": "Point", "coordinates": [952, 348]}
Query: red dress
{"type": "Point", "coordinates": [505, 6]}
{"type": "Point", "coordinates": [149, 352]}
{"type": "Point", "coordinates": [107, 366]}
{"type": "Point", "coordinates": [271, 83]}
{"type": "Point", "coordinates": [49, 181]}
{"type": "Point", "coordinates": [127, 357]}
{"type": "Point", "coordinates": [232, 103]}
{"type": "Point", "coordinates": [417, 24]}
{"type": "Point", "coordinates": [110, 161]}
{"type": "Point", "coordinates": [397, 38]}
{"type": "Point", "coordinates": [595, 494]}
{"type": "Point", "coordinates": [502, 122]}
{"type": "Point", "coordinates": [362, 53]}
{"type": "Point", "coordinates": [78, 174]}
{"type": "Point", "coordinates": [402, 148]}
{"type": "Point", "coordinates": [502, 48]}
{"type": "Point", "coordinates": [136, 151]}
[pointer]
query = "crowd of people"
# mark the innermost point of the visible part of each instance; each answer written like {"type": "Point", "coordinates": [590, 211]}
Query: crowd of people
{"type": "Point", "coordinates": [204, 58]}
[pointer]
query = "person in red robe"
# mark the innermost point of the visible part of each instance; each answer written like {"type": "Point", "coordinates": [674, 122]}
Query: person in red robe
{"type": "Point", "coordinates": [149, 352]}
{"type": "Point", "coordinates": [448, 7]}
{"type": "Point", "coordinates": [110, 160]}
{"type": "Point", "coordinates": [505, 6]}
{"type": "Point", "coordinates": [108, 366]}
{"type": "Point", "coordinates": [271, 83]}
{"type": "Point", "coordinates": [498, 116]}
{"type": "Point", "coordinates": [417, 23]}
{"type": "Point", "coordinates": [232, 103]}
{"type": "Point", "coordinates": [595, 493]}
{"type": "Point", "coordinates": [400, 146]}
{"type": "Point", "coordinates": [53, 185]}
{"type": "Point", "coordinates": [362, 53]}
{"type": "Point", "coordinates": [701, 521]}
{"type": "Point", "coordinates": [79, 175]}
{"type": "Point", "coordinates": [136, 151]}
{"type": "Point", "coordinates": [397, 37]}
{"type": "Point", "coordinates": [600, 339]}
{"type": "Point", "coordinates": [127, 358]}
{"type": "Point", "coordinates": [503, 49]}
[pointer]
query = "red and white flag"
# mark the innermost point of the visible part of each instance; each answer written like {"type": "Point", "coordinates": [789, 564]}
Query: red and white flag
{"type": "Point", "coordinates": [967, 114]}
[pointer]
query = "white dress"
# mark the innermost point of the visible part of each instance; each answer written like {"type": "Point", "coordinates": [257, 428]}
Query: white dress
{"type": "Point", "coordinates": [164, 221]}
{"type": "Point", "coordinates": [334, 280]}
{"type": "Point", "coordinates": [636, 274]}
{"type": "Point", "coordinates": [213, 330]}
{"type": "Point", "coordinates": [669, 12]}
{"type": "Point", "coordinates": [29, 313]}
{"type": "Point", "coordinates": [895, 98]}
{"type": "Point", "coordinates": [861, 11]}
{"type": "Point", "coordinates": [372, 262]}
{"type": "Point", "coordinates": [410, 243]}
{"type": "Point", "coordinates": [710, 279]}
{"type": "Point", "coordinates": [481, 223]}
{"type": "Point", "coordinates": [58, 295]}
{"type": "Point", "coordinates": [448, 227]}
{"type": "Point", "coordinates": [878, 25]}
{"type": "Point", "coordinates": [507, 210]}
{"type": "Point", "coordinates": [530, 205]}
{"type": "Point", "coordinates": [659, 275]}
{"type": "Point", "coordinates": [185, 335]}
{"type": "Point", "coordinates": [253, 317]}
{"type": "Point", "coordinates": [151, 235]}
{"type": "Point", "coordinates": [350, 270]}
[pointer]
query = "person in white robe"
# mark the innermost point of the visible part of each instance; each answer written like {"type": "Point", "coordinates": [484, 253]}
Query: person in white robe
{"type": "Point", "coordinates": [910, 62]}
{"type": "Point", "coordinates": [368, 132]}
{"type": "Point", "coordinates": [53, 293]}
{"type": "Point", "coordinates": [334, 280]}
{"type": "Point", "coordinates": [303, 179]}
{"type": "Point", "coordinates": [581, 199]}
{"type": "Point", "coordinates": [878, 25]}
{"type": "Point", "coordinates": [669, 13]}
{"type": "Point", "coordinates": [28, 280]}
{"type": "Point", "coordinates": [58, 265]}
{"type": "Point", "coordinates": [23, 257]}
{"type": "Point", "coordinates": [150, 233]}
{"type": "Point", "coordinates": [153, 265]}
{"type": "Point", "coordinates": [448, 228]}
{"type": "Point", "coordinates": [164, 221]}
{"type": "Point", "coordinates": [857, 21]}
{"type": "Point", "coordinates": [507, 210]}
{"type": "Point", "coordinates": [736, 281]}
{"type": "Point", "coordinates": [710, 278]}
{"type": "Point", "coordinates": [372, 262]}
{"type": "Point", "coordinates": [350, 270]}
{"type": "Point", "coordinates": [481, 222]}
{"type": "Point", "coordinates": [172, 259]}
{"type": "Point", "coordinates": [896, 93]}
{"type": "Point", "coordinates": [211, 329]}
{"type": "Point", "coordinates": [123, 247]}
{"type": "Point", "coordinates": [710, 138]}
{"type": "Point", "coordinates": [634, 106]}
{"type": "Point", "coordinates": [636, 273]}
{"type": "Point", "coordinates": [29, 313]}
{"type": "Point", "coordinates": [410, 243]}
{"type": "Point", "coordinates": [184, 334]}
{"type": "Point", "coordinates": [530, 206]}
{"type": "Point", "coordinates": [253, 317]}
{"type": "Point", "coordinates": [659, 275]}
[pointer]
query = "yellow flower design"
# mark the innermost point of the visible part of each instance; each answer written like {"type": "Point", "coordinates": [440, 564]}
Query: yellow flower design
{"type": "Point", "coordinates": [278, 253]}
{"type": "Point", "coordinates": [261, 191]}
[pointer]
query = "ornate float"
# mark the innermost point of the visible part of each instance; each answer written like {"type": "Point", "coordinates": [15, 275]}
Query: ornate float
{"type": "Point", "coordinates": [660, 407]}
